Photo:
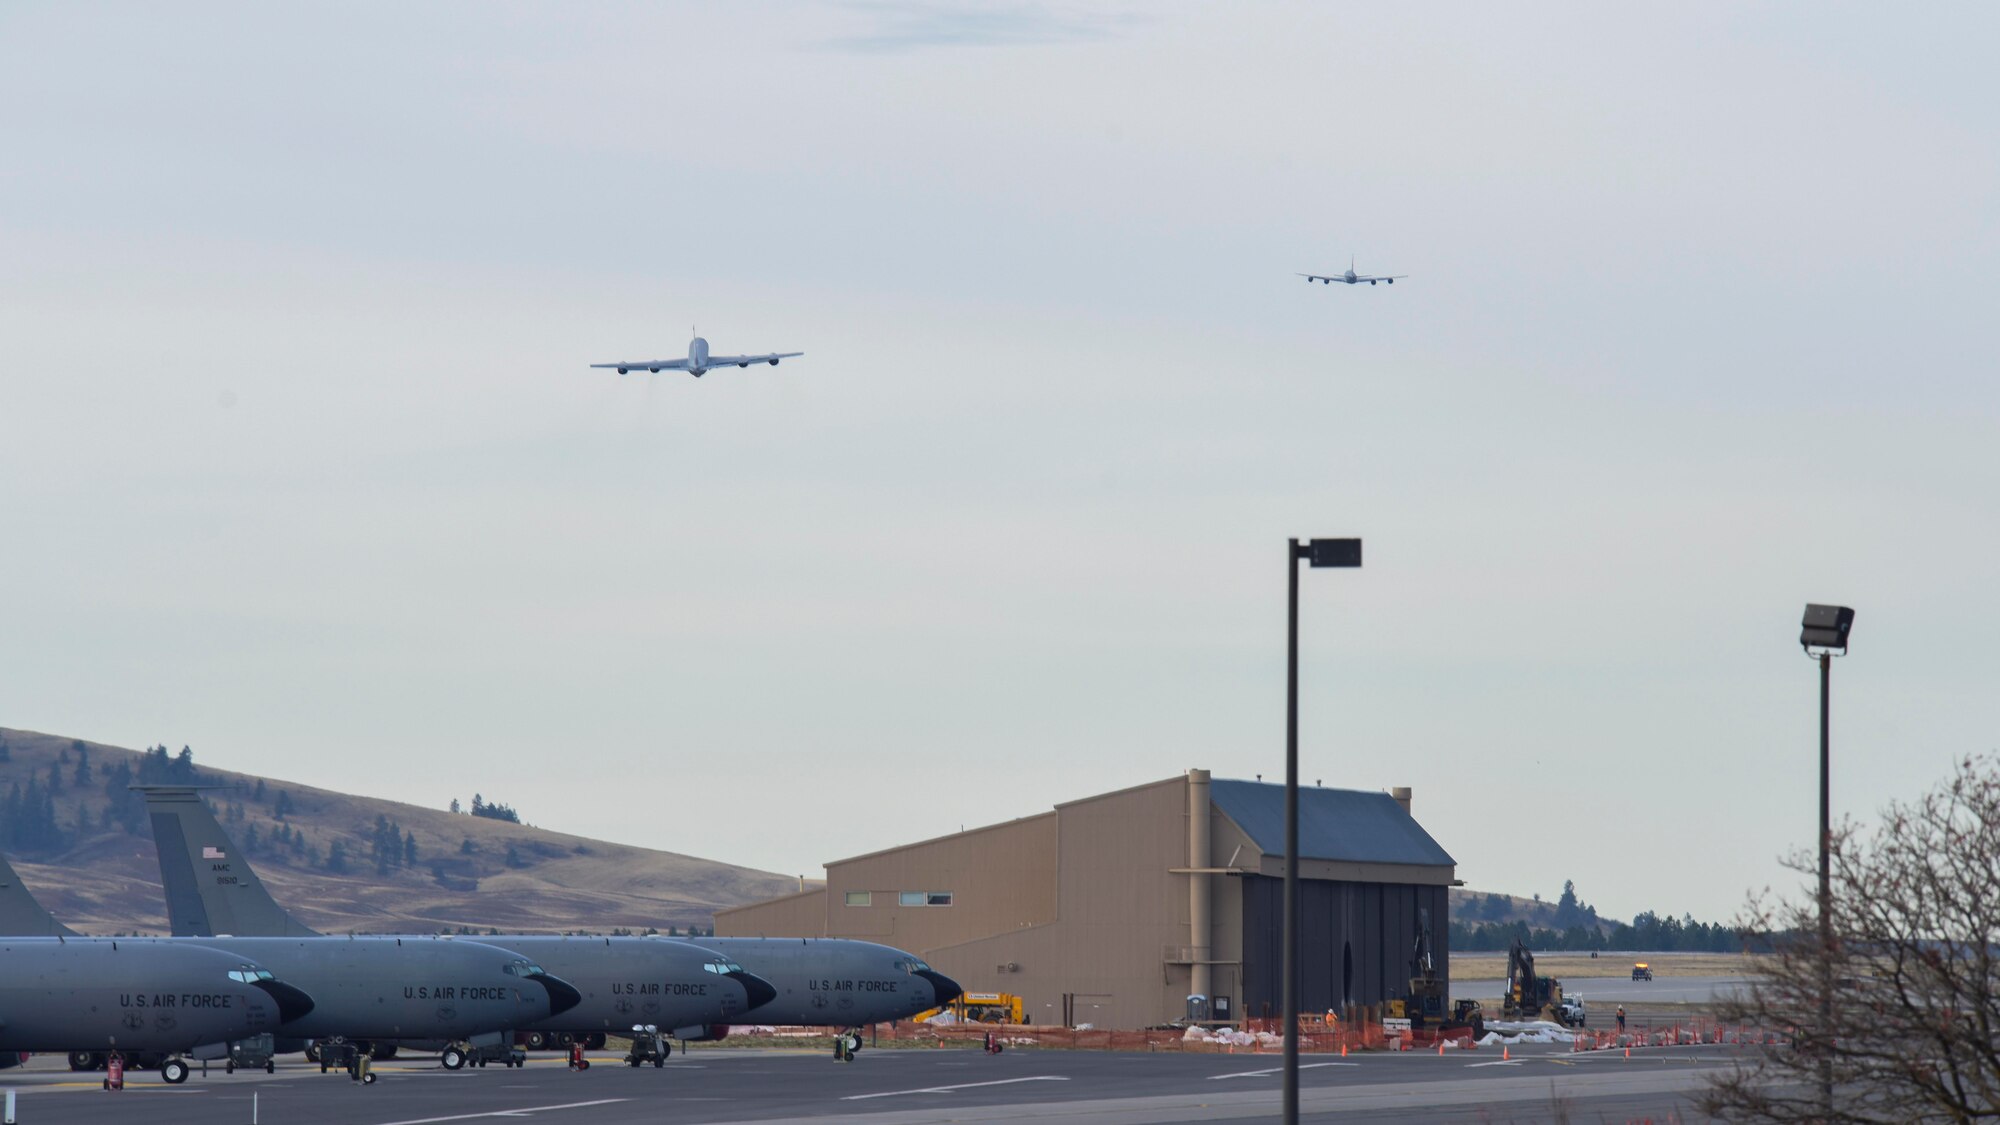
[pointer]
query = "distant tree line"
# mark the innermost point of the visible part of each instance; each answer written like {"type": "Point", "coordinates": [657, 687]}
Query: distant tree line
{"type": "Point", "coordinates": [494, 811]}
{"type": "Point", "coordinates": [1574, 926]}
{"type": "Point", "coordinates": [29, 823]}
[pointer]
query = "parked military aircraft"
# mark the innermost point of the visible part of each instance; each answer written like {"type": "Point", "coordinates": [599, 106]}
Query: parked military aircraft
{"type": "Point", "coordinates": [115, 994]}
{"type": "Point", "coordinates": [63, 992]}
{"type": "Point", "coordinates": [1350, 277]}
{"type": "Point", "coordinates": [821, 981]}
{"type": "Point", "coordinates": [211, 890]}
{"type": "Point", "coordinates": [366, 989]}
{"type": "Point", "coordinates": [698, 361]}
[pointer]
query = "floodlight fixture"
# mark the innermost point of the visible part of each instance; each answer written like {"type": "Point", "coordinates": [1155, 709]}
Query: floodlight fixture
{"type": "Point", "coordinates": [1330, 552]}
{"type": "Point", "coordinates": [1825, 627]}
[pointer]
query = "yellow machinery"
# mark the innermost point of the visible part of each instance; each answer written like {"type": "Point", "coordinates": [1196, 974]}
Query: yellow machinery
{"type": "Point", "coordinates": [981, 1007]}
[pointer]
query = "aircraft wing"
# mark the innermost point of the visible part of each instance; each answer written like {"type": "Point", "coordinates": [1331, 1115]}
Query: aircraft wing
{"type": "Point", "coordinates": [1320, 277]}
{"type": "Point", "coordinates": [736, 360]}
{"type": "Point", "coordinates": [649, 365]}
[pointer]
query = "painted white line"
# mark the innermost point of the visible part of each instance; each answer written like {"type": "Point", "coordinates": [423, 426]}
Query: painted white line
{"type": "Point", "coordinates": [1274, 1070]}
{"type": "Point", "coordinates": [522, 1112]}
{"type": "Point", "coordinates": [1496, 1062]}
{"type": "Point", "coordinates": [925, 1090]}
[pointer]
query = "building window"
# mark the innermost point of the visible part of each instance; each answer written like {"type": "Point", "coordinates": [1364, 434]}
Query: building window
{"type": "Point", "coordinates": [910, 898]}
{"type": "Point", "coordinates": [924, 898]}
{"type": "Point", "coordinates": [858, 898]}
{"type": "Point", "coordinates": [939, 898]}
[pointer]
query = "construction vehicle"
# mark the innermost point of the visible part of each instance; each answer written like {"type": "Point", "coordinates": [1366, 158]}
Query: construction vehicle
{"type": "Point", "coordinates": [1641, 971]}
{"type": "Point", "coordinates": [981, 1007]}
{"type": "Point", "coordinates": [1529, 996]}
{"type": "Point", "coordinates": [1427, 1006]}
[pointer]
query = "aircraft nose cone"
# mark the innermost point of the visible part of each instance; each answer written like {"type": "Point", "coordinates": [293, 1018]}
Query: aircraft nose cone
{"type": "Point", "coordinates": [944, 989]}
{"type": "Point", "coordinates": [293, 1003]}
{"type": "Point", "coordinates": [755, 987]}
{"type": "Point", "coordinates": [562, 994]}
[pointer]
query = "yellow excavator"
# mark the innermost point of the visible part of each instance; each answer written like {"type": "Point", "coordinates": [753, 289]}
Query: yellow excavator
{"type": "Point", "coordinates": [1529, 996]}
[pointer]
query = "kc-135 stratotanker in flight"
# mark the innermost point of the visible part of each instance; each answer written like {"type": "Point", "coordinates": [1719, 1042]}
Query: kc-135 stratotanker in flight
{"type": "Point", "coordinates": [1350, 277]}
{"type": "Point", "coordinates": [692, 988]}
{"type": "Point", "coordinates": [698, 361]}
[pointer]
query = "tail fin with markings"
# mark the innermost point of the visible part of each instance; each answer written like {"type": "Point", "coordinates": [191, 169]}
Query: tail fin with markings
{"type": "Point", "coordinates": [210, 887]}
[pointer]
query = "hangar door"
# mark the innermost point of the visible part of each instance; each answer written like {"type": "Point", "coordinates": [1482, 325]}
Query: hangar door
{"type": "Point", "coordinates": [1356, 941]}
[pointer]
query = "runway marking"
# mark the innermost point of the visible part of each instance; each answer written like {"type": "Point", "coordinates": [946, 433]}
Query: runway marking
{"type": "Point", "coordinates": [925, 1090]}
{"type": "Point", "coordinates": [522, 1112]}
{"type": "Point", "coordinates": [1496, 1062]}
{"type": "Point", "coordinates": [1275, 1070]}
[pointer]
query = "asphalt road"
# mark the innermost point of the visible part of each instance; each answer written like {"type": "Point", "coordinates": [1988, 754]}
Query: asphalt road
{"type": "Point", "coordinates": [903, 1087]}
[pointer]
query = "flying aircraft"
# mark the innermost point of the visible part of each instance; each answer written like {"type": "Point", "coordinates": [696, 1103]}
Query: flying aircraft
{"type": "Point", "coordinates": [450, 991]}
{"type": "Point", "coordinates": [1350, 277]}
{"type": "Point", "coordinates": [785, 981]}
{"type": "Point", "coordinates": [698, 361]}
{"type": "Point", "coordinates": [620, 981]}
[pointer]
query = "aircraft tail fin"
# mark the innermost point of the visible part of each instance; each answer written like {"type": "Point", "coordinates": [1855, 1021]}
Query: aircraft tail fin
{"type": "Point", "coordinates": [20, 914]}
{"type": "Point", "coordinates": [210, 887]}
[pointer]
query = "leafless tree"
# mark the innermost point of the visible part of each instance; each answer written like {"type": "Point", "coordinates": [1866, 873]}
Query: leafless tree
{"type": "Point", "coordinates": [1911, 977]}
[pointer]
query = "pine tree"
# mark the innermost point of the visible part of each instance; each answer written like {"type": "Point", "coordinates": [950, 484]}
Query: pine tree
{"type": "Point", "coordinates": [83, 771]}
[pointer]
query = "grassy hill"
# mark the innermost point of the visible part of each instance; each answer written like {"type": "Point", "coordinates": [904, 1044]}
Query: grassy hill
{"type": "Point", "coordinates": [81, 843]}
{"type": "Point", "coordinates": [1478, 907]}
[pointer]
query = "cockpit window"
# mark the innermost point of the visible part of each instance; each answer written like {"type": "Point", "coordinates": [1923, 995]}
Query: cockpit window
{"type": "Point", "coordinates": [248, 975]}
{"type": "Point", "coordinates": [524, 969]}
{"type": "Point", "coordinates": [723, 968]}
{"type": "Point", "coordinates": [912, 965]}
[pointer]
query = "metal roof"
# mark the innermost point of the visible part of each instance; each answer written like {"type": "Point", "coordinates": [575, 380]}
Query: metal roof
{"type": "Point", "coordinates": [1347, 825]}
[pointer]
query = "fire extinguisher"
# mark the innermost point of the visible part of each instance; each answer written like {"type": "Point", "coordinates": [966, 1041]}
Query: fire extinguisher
{"type": "Point", "coordinates": [576, 1059]}
{"type": "Point", "coordinates": [114, 1073]}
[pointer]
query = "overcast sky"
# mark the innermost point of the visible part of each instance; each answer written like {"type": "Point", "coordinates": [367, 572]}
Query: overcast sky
{"type": "Point", "coordinates": [302, 464]}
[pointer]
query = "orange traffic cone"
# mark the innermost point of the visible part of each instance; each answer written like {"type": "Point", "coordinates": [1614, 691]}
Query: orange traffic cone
{"type": "Point", "coordinates": [1628, 1052]}
{"type": "Point", "coordinates": [1440, 1047]}
{"type": "Point", "coordinates": [1343, 1050]}
{"type": "Point", "coordinates": [1503, 1052]}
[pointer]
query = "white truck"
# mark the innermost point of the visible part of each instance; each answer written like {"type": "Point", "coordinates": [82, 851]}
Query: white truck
{"type": "Point", "coordinates": [1572, 1012]}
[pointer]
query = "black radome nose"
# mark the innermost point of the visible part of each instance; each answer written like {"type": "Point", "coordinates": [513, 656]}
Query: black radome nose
{"type": "Point", "coordinates": [562, 994]}
{"type": "Point", "coordinates": [756, 988]}
{"type": "Point", "coordinates": [293, 1003]}
{"type": "Point", "coordinates": [943, 988]}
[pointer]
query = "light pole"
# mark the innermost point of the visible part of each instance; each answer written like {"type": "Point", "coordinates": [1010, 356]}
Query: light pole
{"type": "Point", "coordinates": [1318, 552]}
{"type": "Point", "coordinates": [1823, 634]}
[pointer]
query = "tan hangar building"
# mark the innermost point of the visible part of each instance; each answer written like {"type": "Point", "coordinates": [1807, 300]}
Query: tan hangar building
{"type": "Point", "coordinates": [1113, 910]}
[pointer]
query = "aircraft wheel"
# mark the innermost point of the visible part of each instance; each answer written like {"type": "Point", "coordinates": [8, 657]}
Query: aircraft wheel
{"type": "Point", "coordinates": [452, 1058]}
{"type": "Point", "coordinates": [174, 1071]}
{"type": "Point", "coordinates": [82, 1060]}
{"type": "Point", "coordinates": [368, 1079]}
{"type": "Point", "coordinates": [312, 1052]}
{"type": "Point", "coordinates": [535, 1041]}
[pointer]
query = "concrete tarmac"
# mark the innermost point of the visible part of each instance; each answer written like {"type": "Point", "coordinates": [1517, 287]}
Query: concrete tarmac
{"type": "Point", "coordinates": [903, 1087]}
